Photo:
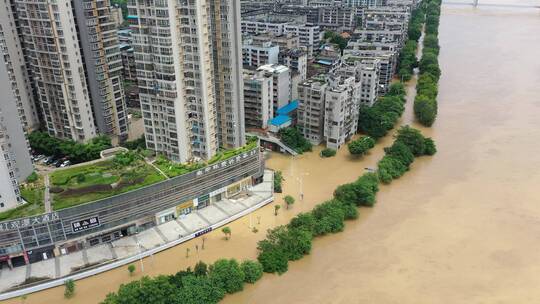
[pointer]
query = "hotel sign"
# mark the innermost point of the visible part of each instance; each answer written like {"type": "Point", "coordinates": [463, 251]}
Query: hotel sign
{"type": "Point", "coordinates": [29, 221]}
{"type": "Point", "coordinates": [85, 224]}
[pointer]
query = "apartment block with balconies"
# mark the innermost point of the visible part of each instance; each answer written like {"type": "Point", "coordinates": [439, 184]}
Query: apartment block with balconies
{"type": "Point", "coordinates": [189, 64]}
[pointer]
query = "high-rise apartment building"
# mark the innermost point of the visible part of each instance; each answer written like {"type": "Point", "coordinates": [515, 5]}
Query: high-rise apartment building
{"type": "Point", "coordinates": [17, 71]}
{"type": "Point", "coordinates": [258, 99]}
{"type": "Point", "coordinates": [189, 66]}
{"type": "Point", "coordinates": [311, 96]}
{"type": "Point", "coordinates": [15, 163]}
{"type": "Point", "coordinates": [74, 60]}
{"type": "Point", "coordinates": [103, 63]}
{"type": "Point", "coordinates": [341, 109]}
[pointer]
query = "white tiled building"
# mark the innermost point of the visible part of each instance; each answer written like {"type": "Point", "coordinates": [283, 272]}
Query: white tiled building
{"type": "Point", "coordinates": [258, 99]}
{"type": "Point", "coordinates": [342, 100]}
{"type": "Point", "coordinates": [189, 68]}
{"type": "Point", "coordinates": [15, 163]}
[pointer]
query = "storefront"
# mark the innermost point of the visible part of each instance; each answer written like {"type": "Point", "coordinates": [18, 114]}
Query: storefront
{"type": "Point", "coordinates": [166, 215]}
{"type": "Point", "coordinates": [184, 208]}
{"type": "Point", "coordinates": [203, 201]}
{"type": "Point", "coordinates": [238, 187]}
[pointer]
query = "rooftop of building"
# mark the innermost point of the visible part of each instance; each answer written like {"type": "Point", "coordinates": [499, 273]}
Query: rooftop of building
{"type": "Point", "coordinates": [273, 68]}
{"type": "Point", "coordinates": [280, 120]}
{"type": "Point", "coordinates": [288, 108]}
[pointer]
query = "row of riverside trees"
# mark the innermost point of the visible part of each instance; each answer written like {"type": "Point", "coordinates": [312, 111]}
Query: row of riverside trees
{"type": "Point", "coordinates": [204, 284]}
{"type": "Point", "coordinates": [377, 120]}
{"type": "Point", "coordinates": [425, 103]}
{"type": "Point", "coordinates": [407, 58]}
{"type": "Point", "coordinates": [292, 241]}
{"type": "Point", "coordinates": [43, 143]}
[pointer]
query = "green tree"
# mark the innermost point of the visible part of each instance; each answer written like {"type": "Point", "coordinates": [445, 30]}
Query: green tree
{"type": "Point", "coordinates": [328, 152]}
{"type": "Point", "coordinates": [227, 274]}
{"type": "Point", "coordinates": [430, 148]}
{"type": "Point", "coordinates": [227, 231]}
{"type": "Point", "coordinates": [329, 218]}
{"type": "Point", "coordinates": [425, 110]}
{"type": "Point", "coordinates": [413, 139]}
{"type": "Point", "coordinates": [293, 138]}
{"type": "Point", "coordinates": [196, 290]}
{"type": "Point", "coordinates": [69, 290]}
{"type": "Point", "coordinates": [276, 208]}
{"type": "Point", "coordinates": [361, 146]}
{"type": "Point", "coordinates": [200, 269]}
{"type": "Point", "coordinates": [289, 201]}
{"type": "Point", "coordinates": [274, 260]}
{"type": "Point", "coordinates": [253, 271]}
{"type": "Point", "coordinates": [131, 269]}
{"type": "Point", "coordinates": [278, 180]}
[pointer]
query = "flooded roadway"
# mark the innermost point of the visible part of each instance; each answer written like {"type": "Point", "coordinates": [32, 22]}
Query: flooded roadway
{"type": "Point", "coordinates": [460, 227]}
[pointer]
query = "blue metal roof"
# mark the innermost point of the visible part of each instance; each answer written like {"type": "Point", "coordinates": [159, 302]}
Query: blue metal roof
{"type": "Point", "coordinates": [286, 109]}
{"type": "Point", "coordinates": [279, 120]}
{"type": "Point", "coordinates": [324, 62]}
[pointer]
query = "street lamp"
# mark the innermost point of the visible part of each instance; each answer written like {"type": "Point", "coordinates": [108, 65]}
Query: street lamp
{"type": "Point", "coordinates": [301, 181]}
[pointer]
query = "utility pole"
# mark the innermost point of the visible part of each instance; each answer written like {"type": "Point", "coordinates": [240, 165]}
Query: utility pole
{"type": "Point", "coordinates": [475, 3]}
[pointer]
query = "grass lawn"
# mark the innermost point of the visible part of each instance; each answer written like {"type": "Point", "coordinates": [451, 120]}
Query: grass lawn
{"type": "Point", "coordinates": [88, 183]}
{"type": "Point", "coordinates": [172, 169]}
{"type": "Point", "coordinates": [33, 193]}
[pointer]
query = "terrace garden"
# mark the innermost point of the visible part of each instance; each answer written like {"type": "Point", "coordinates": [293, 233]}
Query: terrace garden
{"type": "Point", "coordinates": [77, 185]}
{"type": "Point", "coordinates": [172, 169]}
{"type": "Point", "coordinates": [32, 193]}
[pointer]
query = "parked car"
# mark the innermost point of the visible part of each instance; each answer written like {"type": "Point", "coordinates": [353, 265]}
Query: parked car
{"type": "Point", "coordinates": [65, 164]}
{"type": "Point", "coordinates": [57, 163]}
{"type": "Point", "coordinates": [49, 160]}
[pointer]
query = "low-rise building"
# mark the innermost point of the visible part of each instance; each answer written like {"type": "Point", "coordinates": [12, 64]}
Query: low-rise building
{"type": "Point", "coordinates": [255, 54]}
{"type": "Point", "coordinates": [284, 41]}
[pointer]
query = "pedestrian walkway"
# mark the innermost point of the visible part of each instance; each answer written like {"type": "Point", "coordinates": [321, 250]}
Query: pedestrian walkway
{"type": "Point", "coordinates": [152, 240]}
{"type": "Point", "coordinates": [47, 194]}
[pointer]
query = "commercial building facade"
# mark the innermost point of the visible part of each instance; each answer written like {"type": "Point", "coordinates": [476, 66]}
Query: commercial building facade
{"type": "Point", "coordinates": [71, 229]}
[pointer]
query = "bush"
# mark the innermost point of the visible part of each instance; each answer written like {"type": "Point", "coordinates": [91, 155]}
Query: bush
{"type": "Point", "coordinates": [273, 259]}
{"type": "Point", "coordinates": [425, 110]}
{"type": "Point", "coordinates": [43, 143]}
{"type": "Point", "coordinates": [227, 274]}
{"type": "Point", "coordinates": [329, 218]}
{"type": "Point", "coordinates": [278, 180]}
{"type": "Point", "coordinates": [69, 291]}
{"type": "Point", "coordinates": [361, 146]}
{"type": "Point", "coordinates": [32, 177]}
{"type": "Point", "coordinates": [253, 271]}
{"type": "Point", "coordinates": [328, 152]}
{"type": "Point", "coordinates": [196, 290]}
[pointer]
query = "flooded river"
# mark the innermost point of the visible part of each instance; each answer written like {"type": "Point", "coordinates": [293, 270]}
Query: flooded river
{"type": "Point", "coordinates": [460, 227]}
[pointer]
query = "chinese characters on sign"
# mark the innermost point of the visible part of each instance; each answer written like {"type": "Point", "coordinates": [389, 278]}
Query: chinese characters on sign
{"type": "Point", "coordinates": [226, 163]}
{"type": "Point", "coordinates": [29, 221]}
{"type": "Point", "coordinates": [85, 224]}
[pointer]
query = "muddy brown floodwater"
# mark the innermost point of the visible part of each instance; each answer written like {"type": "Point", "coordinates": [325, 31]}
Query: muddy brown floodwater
{"type": "Point", "coordinates": [460, 227]}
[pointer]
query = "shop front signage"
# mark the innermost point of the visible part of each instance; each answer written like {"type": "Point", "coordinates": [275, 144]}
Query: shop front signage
{"type": "Point", "coordinates": [85, 224]}
{"type": "Point", "coordinates": [29, 221]}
